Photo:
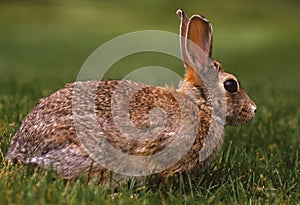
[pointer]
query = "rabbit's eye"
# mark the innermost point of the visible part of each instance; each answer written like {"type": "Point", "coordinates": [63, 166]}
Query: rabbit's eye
{"type": "Point", "coordinates": [231, 85]}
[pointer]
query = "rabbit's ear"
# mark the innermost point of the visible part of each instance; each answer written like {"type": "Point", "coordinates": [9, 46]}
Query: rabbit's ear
{"type": "Point", "coordinates": [190, 74]}
{"type": "Point", "coordinates": [198, 46]}
{"type": "Point", "coordinates": [183, 26]}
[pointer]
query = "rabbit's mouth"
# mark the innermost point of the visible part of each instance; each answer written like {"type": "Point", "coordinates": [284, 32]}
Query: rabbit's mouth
{"type": "Point", "coordinates": [240, 117]}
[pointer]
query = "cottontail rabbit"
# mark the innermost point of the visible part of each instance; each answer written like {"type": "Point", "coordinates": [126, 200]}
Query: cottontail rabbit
{"type": "Point", "coordinates": [60, 132]}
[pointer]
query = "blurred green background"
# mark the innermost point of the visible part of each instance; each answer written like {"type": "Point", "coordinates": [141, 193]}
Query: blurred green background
{"type": "Point", "coordinates": [43, 45]}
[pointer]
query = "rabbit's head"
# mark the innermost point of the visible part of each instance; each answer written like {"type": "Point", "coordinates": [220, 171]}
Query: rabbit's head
{"type": "Point", "coordinates": [196, 48]}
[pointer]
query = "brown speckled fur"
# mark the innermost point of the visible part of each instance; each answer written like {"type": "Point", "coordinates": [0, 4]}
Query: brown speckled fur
{"type": "Point", "coordinates": [47, 136]}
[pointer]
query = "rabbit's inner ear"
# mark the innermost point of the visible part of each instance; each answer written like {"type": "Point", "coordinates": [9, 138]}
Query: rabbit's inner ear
{"type": "Point", "coordinates": [199, 41]}
{"type": "Point", "coordinates": [198, 45]}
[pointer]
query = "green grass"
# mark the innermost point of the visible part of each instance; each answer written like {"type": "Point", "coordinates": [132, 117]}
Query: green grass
{"type": "Point", "coordinates": [43, 46]}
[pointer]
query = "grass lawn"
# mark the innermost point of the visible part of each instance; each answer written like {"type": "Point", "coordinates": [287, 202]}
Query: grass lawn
{"type": "Point", "coordinates": [43, 46]}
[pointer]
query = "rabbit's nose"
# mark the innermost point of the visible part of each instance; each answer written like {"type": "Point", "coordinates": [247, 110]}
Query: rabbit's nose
{"type": "Point", "coordinates": [253, 108]}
